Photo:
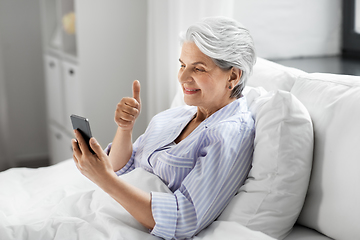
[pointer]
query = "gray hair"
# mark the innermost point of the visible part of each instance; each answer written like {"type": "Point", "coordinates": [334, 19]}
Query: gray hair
{"type": "Point", "coordinates": [228, 43]}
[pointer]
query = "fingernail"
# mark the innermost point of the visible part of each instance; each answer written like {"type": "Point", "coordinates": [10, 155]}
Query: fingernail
{"type": "Point", "coordinates": [93, 141]}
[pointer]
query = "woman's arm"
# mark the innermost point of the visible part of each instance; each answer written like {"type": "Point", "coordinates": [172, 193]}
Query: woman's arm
{"type": "Point", "coordinates": [98, 169]}
{"type": "Point", "coordinates": [121, 149]}
{"type": "Point", "coordinates": [134, 200]}
{"type": "Point", "coordinates": [127, 110]}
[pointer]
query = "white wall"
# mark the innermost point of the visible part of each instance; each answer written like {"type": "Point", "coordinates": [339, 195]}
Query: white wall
{"type": "Point", "coordinates": [112, 54]}
{"type": "Point", "coordinates": [289, 29]}
{"type": "Point", "coordinates": [280, 28]}
{"type": "Point", "coordinates": [23, 80]}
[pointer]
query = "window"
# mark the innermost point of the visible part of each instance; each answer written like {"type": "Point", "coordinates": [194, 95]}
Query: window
{"type": "Point", "coordinates": [351, 28]}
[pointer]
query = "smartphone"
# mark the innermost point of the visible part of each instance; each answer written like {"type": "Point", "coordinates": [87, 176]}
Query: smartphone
{"type": "Point", "coordinates": [83, 126]}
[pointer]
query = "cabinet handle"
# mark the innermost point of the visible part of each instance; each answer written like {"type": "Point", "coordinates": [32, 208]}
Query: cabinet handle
{"type": "Point", "coordinates": [71, 72]}
{"type": "Point", "coordinates": [58, 136]}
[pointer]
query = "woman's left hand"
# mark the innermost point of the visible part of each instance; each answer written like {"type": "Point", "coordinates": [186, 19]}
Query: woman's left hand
{"type": "Point", "coordinates": [96, 167]}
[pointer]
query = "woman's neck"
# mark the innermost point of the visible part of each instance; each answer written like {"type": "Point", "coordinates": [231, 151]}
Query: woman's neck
{"type": "Point", "coordinates": [203, 113]}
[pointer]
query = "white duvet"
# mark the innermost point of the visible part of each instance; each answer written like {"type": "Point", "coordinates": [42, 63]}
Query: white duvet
{"type": "Point", "coordinates": [58, 202]}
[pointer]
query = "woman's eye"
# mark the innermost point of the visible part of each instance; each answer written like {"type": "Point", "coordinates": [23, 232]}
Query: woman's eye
{"type": "Point", "coordinates": [199, 70]}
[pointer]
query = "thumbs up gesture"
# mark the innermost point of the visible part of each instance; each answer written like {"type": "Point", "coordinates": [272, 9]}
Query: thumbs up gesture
{"type": "Point", "coordinates": [128, 109]}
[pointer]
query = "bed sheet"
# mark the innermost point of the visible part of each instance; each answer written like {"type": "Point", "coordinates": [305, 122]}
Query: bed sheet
{"type": "Point", "coordinates": [57, 202]}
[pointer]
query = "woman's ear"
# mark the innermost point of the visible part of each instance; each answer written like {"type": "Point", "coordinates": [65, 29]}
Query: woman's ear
{"type": "Point", "coordinates": [235, 76]}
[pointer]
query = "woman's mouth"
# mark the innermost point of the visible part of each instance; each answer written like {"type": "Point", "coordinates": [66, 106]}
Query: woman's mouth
{"type": "Point", "coordinates": [190, 90]}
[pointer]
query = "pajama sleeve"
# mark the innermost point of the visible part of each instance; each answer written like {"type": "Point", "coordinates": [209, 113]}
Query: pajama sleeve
{"type": "Point", "coordinates": [130, 165]}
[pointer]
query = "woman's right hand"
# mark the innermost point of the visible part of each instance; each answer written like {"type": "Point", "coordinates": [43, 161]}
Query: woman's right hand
{"type": "Point", "coordinates": [128, 109]}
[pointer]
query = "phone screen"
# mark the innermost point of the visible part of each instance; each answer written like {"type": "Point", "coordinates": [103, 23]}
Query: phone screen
{"type": "Point", "coordinates": [83, 126]}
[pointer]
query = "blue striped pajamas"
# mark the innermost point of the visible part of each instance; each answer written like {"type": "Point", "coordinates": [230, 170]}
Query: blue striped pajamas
{"type": "Point", "coordinates": [203, 171]}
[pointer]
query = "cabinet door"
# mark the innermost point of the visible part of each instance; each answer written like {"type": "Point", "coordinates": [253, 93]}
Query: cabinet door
{"type": "Point", "coordinates": [73, 99]}
{"type": "Point", "coordinates": [54, 90]}
{"type": "Point", "coordinates": [59, 145]}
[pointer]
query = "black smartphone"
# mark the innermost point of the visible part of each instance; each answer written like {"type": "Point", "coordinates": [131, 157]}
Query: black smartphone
{"type": "Point", "coordinates": [83, 126]}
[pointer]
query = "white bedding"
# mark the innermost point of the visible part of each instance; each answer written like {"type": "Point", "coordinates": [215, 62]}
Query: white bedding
{"type": "Point", "coordinates": [57, 202]}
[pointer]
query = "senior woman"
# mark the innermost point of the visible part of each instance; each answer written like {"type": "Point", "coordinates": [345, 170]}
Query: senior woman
{"type": "Point", "coordinates": [202, 151]}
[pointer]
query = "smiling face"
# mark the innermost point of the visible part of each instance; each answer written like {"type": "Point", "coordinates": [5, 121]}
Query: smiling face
{"type": "Point", "coordinates": [204, 84]}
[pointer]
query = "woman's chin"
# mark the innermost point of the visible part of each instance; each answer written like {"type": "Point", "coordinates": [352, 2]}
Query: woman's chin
{"type": "Point", "coordinates": [189, 102]}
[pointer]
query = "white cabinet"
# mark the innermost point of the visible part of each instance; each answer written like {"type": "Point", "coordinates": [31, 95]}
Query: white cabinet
{"type": "Point", "coordinates": [61, 77]}
{"type": "Point", "coordinates": [94, 66]}
{"type": "Point", "coordinates": [72, 92]}
{"type": "Point", "coordinates": [54, 89]}
{"type": "Point", "coordinates": [60, 144]}
{"type": "Point", "coordinates": [63, 99]}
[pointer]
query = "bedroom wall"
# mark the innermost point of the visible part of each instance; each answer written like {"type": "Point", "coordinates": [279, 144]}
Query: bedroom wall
{"type": "Point", "coordinates": [289, 29]}
{"type": "Point", "coordinates": [23, 83]}
{"type": "Point", "coordinates": [3, 117]}
{"type": "Point", "coordinates": [112, 54]}
{"type": "Point", "coordinates": [281, 29]}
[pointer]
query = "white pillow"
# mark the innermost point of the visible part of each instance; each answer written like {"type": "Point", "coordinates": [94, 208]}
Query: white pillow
{"type": "Point", "coordinates": [332, 205]}
{"type": "Point", "coordinates": [273, 76]}
{"type": "Point", "coordinates": [273, 195]}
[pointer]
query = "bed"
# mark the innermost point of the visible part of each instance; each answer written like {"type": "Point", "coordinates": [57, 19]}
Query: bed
{"type": "Point", "coordinates": [57, 202]}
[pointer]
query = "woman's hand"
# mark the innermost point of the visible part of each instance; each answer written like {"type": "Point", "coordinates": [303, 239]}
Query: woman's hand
{"type": "Point", "coordinates": [96, 167]}
{"type": "Point", "coordinates": [128, 109]}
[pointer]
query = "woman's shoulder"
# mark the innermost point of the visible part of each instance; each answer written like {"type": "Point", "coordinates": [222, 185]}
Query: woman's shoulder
{"type": "Point", "coordinates": [236, 116]}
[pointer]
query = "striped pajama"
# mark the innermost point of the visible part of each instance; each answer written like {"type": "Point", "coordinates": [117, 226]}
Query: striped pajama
{"type": "Point", "coordinates": [203, 171]}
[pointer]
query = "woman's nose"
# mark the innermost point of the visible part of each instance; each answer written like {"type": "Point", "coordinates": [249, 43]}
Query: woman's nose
{"type": "Point", "coordinates": [184, 75]}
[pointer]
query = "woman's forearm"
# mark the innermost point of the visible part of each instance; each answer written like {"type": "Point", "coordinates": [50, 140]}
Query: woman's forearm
{"type": "Point", "coordinates": [134, 200]}
{"type": "Point", "coordinates": [121, 149]}
{"type": "Point", "coordinates": [98, 169]}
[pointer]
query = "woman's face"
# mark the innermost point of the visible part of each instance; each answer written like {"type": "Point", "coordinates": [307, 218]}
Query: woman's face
{"type": "Point", "coordinates": [204, 84]}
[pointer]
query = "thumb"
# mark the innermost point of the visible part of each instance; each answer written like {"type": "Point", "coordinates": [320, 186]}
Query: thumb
{"type": "Point", "coordinates": [96, 147]}
{"type": "Point", "coordinates": [136, 90]}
